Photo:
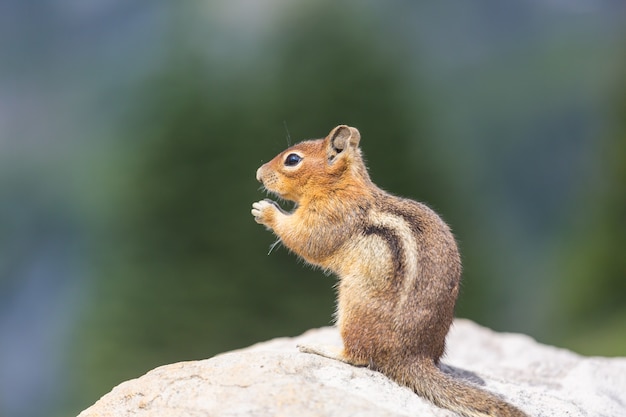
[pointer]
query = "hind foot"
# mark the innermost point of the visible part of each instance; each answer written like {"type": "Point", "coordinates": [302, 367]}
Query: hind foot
{"type": "Point", "coordinates": [331, 352]}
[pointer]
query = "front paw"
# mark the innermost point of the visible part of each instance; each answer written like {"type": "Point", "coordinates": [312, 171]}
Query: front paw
{"type": "Point", "coordinates": [264, 211]}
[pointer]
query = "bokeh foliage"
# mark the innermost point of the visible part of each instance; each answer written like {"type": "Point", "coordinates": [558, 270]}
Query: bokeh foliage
{"type": "Point", "coordinates": [185, 271]}
{"type": "Point", "coordinates": [509, 120]}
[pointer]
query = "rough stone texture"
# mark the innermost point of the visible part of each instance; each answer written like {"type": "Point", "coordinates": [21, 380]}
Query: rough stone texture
{"type": "Point", "coordinates": [274, 379]}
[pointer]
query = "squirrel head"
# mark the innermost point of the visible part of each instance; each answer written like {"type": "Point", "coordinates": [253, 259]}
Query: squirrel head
{"type": "Point", "coordinates": [316, 168]}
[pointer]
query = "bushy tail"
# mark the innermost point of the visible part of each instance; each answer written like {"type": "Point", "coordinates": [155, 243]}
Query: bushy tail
{"type": "Point", "coordinates": [447, 392]}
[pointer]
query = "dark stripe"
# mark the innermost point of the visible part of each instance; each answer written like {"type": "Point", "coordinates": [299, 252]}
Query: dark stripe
{"type": "Point", "coordinates": [394, 243]}
{"type": "Point", "coordinates": [414, 222]}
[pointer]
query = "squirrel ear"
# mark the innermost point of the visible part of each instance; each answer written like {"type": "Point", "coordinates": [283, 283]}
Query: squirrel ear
{"type": "Point", "coordinates": [341, 138]}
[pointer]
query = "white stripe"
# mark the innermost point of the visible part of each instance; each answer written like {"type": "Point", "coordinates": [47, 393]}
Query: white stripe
{"type": "Point", "coordinates": [408, 246]}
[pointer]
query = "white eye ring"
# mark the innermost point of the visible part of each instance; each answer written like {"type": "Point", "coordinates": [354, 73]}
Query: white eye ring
{"type": "Point", "coordinates": [292, 160]}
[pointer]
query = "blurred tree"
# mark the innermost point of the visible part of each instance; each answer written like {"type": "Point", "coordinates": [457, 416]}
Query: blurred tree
{"type": "Point", "coordinates": [338, 67]}
{"type": "Point", "coordinates": [592, 317]}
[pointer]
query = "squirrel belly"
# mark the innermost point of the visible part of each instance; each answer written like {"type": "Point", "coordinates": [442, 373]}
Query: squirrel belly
{"type": "Point", "coordinates": [397, 263]}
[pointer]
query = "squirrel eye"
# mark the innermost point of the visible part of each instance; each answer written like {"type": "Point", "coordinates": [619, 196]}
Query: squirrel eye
{"type": "Point", "coordinates": [292, 159]}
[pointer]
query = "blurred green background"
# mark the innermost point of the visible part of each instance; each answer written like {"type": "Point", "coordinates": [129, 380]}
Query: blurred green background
{"type": "Point", "coordinates": [130, 133]}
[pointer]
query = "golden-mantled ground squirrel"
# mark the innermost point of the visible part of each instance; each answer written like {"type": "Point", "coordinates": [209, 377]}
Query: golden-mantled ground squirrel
{"type": "Point", "coordinates": [397, 262]}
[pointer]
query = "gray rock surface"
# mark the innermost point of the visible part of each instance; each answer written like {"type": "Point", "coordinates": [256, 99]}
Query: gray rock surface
{"type": "Point", "coordinates": [274, 379]}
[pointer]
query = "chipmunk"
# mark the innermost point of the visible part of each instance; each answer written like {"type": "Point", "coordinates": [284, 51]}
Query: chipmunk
{"type": "Point", "coordinates": [397, 262]}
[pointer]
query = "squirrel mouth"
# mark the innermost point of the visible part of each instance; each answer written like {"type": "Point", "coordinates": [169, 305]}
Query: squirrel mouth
{"type": "Point", "coordinates": [286, 205]}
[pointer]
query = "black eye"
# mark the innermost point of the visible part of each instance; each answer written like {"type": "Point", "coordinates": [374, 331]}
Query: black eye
{"type": "Point", "coordinates": [292, 159]}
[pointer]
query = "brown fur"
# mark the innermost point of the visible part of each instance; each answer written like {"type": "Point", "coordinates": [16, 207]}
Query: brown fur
{"type": "Point", "coordinates": [398, 266]}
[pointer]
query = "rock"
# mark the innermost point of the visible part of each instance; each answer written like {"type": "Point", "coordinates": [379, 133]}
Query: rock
{"type": "Point", "coordinates": [274, 379]}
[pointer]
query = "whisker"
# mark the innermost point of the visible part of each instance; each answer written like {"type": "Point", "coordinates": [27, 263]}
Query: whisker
{"type": "Point", "coordinates": [272, 246]}
{"type": "Point", "coordinates": [288, 135]}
